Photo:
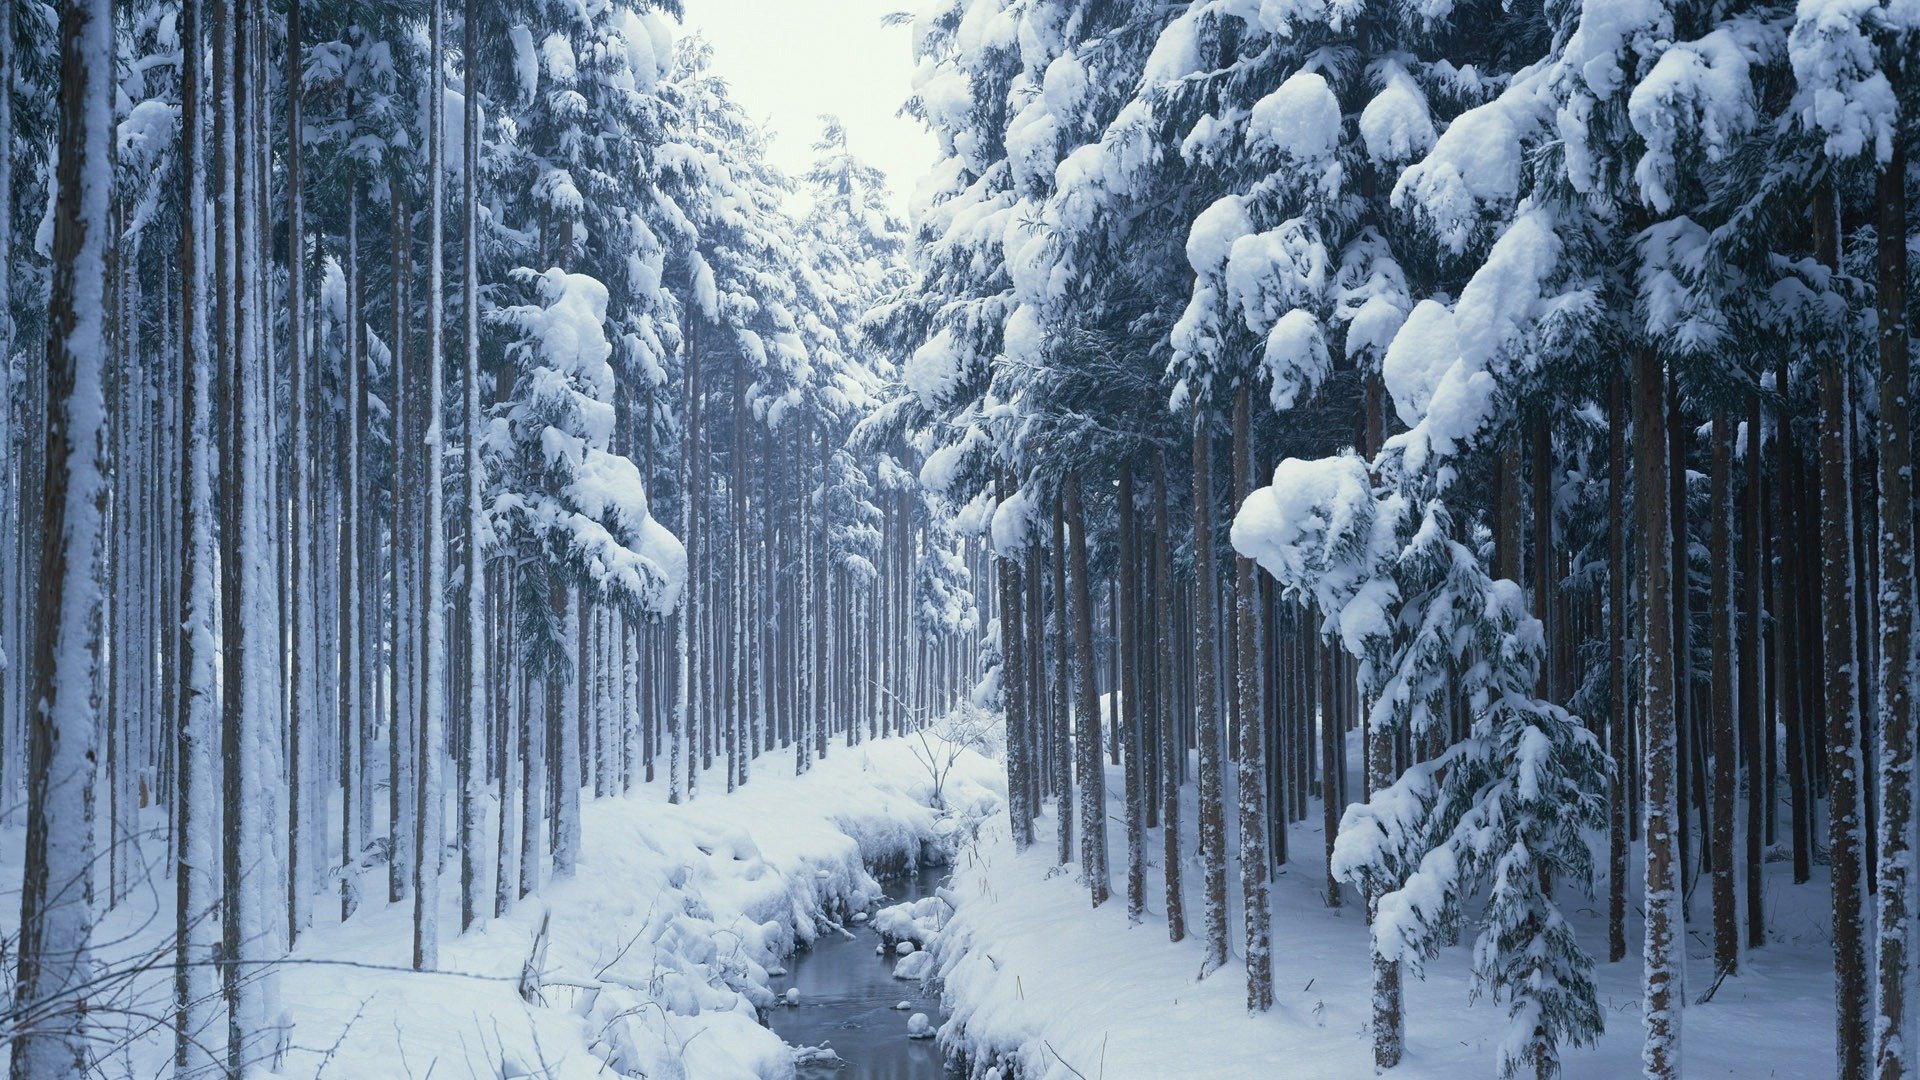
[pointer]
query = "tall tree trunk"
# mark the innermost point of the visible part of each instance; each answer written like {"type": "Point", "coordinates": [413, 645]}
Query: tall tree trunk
{"type": "Point", "coordinates": [1013, 688]}
{"type": "Point", "coordinates": [429, 832]}
{"type": "Point", "coordinates": [1093, 786]}
{"type": "Point", "coordinates": [196, 935]}
{"type": "Point", "coordinates": [1895, 436]}
{"type": "Point", "coordinates": [472, 603]}
{"type": "Point", "coordinates": [1788, 653]}
{"type": "Point", "coordinates": [301, 685]}
{"type": "Point", "coordinates": [1842, 702]}
{"type": "Point", "coordinates": [56, 898]}
{"type": "Point", "coordinates": [1130, 697]}
{"type": "Point", "coordinates": [1060, 714]}
{"type": "Point", "coordinates": [1753, 732]}
{"type": "Point", "coordinates": [1689, 782]}
{"type": "Point", "coordinates": [1726, 930]}
{"type": "Point", "coordinates": [353, 658]}
{"type": "Point", "coordinates": [1253, 760]}
{"type": "Point", "coordinates": [1665, 923]}
{"type": "Point", "coordinates": [1618, 700]}
{"type": "Point", "coordinates": [1170, 749]}
{"type": "Point", "coordinates": [1213, 831]}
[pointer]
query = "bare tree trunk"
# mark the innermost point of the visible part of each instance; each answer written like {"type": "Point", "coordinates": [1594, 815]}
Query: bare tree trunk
{"type": "Point", "coordinates": [1213, 831]}
{"type": "Point", "coordinates": [1013, 689]}
{"type": "Point", "coordinates": [1788, 654]}
{"type": "Point", "coordinates": [1754, 734]}
{"type": "Point", "coordinates": [1253, 761]}
{"type": "Point", "coordinates": [1665, 923]}
{"type": "Point", "coordinates": [1726, 930]}
{"type": "Point", "coordinates": [1842, 692]}
{"type": "Point", "coordinates": [1618, 694]}
{"type": "Point", "coordinates": [1063, 765]}
{"type": "Point", "coordinates": [1170, 752]}
{"type": "Point", "coordinates": [1129, 687]}
{"type": "Point", "coordinates": [1895, 437]}
{"type": "Point", "coordinates": [1093, 786]}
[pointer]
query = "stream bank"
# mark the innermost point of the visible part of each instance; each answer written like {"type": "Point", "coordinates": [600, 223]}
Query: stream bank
{"type": "Point", "coordinates": [849, 999]}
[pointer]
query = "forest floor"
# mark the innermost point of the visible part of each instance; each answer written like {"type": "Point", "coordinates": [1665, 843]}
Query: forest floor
{"type": "Point", "coordinates": [1035, 977]}
{"type": "Point", "coordinates": [657, 955]}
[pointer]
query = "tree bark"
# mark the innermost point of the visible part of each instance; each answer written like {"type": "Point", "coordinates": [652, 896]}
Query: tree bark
{"type": "Point", "coordinates": [1213, 831]}
{"type": "Point", "coordinates": [1842, 703]}
{"type": "Point", "coordinates": [56, 899]}
{"type": "Point", "coordinates": [1660, 1056]}
{"type": "Point", "coordinates": [1895, 704]}
{"type": "Point", "coordinates": [1618, 701]}
{"type": "Point", "coordinates": [1165, 713]}
{"type": "Point", "coordinates": [1093, 786]}
{"type": "Point", "coordinates": [1726, 931]}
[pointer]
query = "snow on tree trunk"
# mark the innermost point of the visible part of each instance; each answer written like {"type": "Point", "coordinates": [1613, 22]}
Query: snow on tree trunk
{"type": "Point", "coordinates": [1618, 694]}
{"type": "Point", "coordinates": [1726, 927]}
{"type": "Point", "coordinates": [1060, 713]}
{"type": "Point", "coordinates": [197, 940]}
{"type": "Point", "coordinates": [1662, 978]}
{"type": "Point", "coordinates": [1171, 751]}
{"type": "Point", "coordinates": [429, 832]}
{"type": "Point", "coordinates": [1253, 761]}
{"type": "Point", "coordinates": [472, 605]}
{"type": "Point", "coordinates": [1895, 705]}
{"type": "Point", "coordinates": [1129, 680]}
{"type": "Point", "coordinates": [1093, 785]}
{"type": "Point", "coordinates": [1842, 695]}
{"type": "Point", "coordinates": [56, 899]}
{"type": "Point", "coordinates": [1213, 829]}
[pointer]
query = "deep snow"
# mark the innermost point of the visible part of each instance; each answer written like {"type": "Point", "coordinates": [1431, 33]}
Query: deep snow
{"type": "Point", "coordinates": [1036, 979]}
{"type": "Point", "coordinates": [657, 954]}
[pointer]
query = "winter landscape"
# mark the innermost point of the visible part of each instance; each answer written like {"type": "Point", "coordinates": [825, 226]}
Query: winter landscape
{"type": "Point", "coordinates": [1001, 540]}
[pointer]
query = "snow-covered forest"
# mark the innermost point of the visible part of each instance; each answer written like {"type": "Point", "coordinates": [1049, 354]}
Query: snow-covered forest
{"type": "Point", "coordinates": [1317, 537]}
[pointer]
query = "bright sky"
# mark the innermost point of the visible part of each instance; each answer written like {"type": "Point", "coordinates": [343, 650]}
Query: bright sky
{"type": "Point", "coordinates": [788, 61]}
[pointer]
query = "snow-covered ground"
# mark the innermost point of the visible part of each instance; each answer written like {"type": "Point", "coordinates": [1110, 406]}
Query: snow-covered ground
{"type": "Point", "coordinates": [658, 953]}
{"type": "Point", "coordinates": [1036, 978]}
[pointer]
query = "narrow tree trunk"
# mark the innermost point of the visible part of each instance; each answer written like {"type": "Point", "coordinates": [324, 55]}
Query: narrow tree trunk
{"type": "Point", "coordinates": [1895, 704]}
{"type": "Point", "coordinates": [1091, 767]}
{"type": "Point", "coordinates": [1788, 654]}
{"type": "Point", "coordinates": [429, 832]}
{"type": "Point", "coordinates": [1618, 694]}
{"type": "Point", "coordinates": [196, 1032]}
{"type": "Point", "coordinates": [1726, 931]}
{"type": "Point", "coordinates": [1754, 735]}
{"type": "Point", "coordinates": [1063, 764]}
{"type": "Point", "coordinates": [1253, 761]}
{"type": "Point", "coordinates": [1665, 924]}
{"type": "Point", "coordinates": [472, 603]}
{"type": "Point", "coordinates": [1842, 702]}
{"type": "Point", "coordinates": [1013, 689]}
{"type": "Point", "coordinates": [1170, 751]}
{"type": "Point", "coordinates": [1128, 610]}
{"type": "Point", "coordinates": [1213, 831]}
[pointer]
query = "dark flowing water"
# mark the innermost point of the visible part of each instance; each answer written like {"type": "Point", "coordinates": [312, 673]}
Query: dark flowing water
{"type": "Point", "coordinates": [847, 999]}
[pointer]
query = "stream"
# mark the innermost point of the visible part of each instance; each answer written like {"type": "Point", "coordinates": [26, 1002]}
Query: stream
{"type": "Point", "coordinates": [847, 1000]}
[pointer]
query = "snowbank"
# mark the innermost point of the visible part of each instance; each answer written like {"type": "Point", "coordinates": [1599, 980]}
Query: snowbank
{"type": "Point", "coordinates": [1042, 988]}
{"type": "Point", "coordinates": [652, 961]}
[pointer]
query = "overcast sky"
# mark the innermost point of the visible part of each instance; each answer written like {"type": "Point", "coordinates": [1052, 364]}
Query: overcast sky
{"type": "Point", "coordinates": [788, 61]}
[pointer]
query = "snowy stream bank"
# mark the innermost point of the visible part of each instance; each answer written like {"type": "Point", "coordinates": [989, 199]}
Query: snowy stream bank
{"type": "Point", "coordinates": [657, 959]}
{"type": "Point", "coordinates": [1040, 987]}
